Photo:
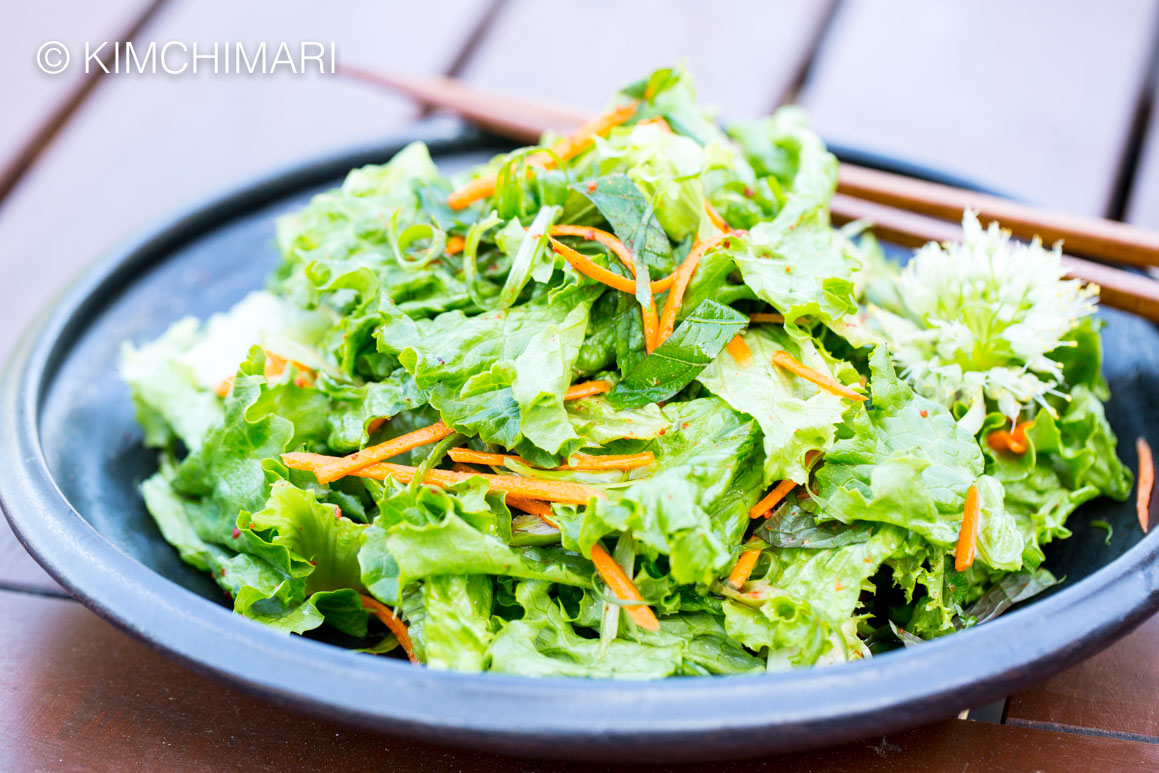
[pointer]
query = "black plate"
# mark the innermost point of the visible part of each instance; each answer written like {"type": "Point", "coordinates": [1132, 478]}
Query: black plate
{"type": "Point", "coordinates": [72, 456]}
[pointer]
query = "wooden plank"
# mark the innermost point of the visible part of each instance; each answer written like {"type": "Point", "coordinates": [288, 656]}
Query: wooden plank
{"type": "Point", "coordinates": [146, 145]}
{"type": "Point", "coordinates": [77, 694]}
{"type": "Point", "coordinates": [745, 54]}
{"type": "Point", "coordinates": [1114, 692]}
{"type": "Point", "coordinates": [1143, 208]}
{"type": "Point", "coordinates": [31, 96]}
{"type": "Point", "coordinates": [1034, 99]}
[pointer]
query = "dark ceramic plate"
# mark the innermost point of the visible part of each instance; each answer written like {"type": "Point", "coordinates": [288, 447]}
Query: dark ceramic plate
{"type": "Point", "coordinates": [72, 457]}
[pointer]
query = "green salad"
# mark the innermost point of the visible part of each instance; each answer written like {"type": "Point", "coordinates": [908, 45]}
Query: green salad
{"type": "Point", "coordinates": [627, 405]}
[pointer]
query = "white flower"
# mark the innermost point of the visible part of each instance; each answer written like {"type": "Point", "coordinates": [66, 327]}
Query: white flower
{"type": "Point", "coordinates": [978, 319]}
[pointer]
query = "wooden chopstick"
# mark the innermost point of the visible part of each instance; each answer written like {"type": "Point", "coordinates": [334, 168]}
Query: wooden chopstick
{"type": "Point", "coordinates": [887, 199]}
{"type": "Point", "coordinates": [514, 118]}
{"type": "Point", "coordinates": [1092, 236]}
{"type": "Point", "coordinates": [1118, 288]}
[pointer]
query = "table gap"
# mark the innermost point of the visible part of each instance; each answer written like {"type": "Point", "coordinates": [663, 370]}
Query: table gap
{"type": "Point", "coordinates": [56, 120]}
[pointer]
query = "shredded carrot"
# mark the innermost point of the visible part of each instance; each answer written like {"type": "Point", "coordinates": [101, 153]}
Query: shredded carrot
{"type": "Point", "coordinates": [578, 141]}
{"type": "Point", "coordinates": [586, 267]}
{"type": "Point", "coordinates": [455, 245]}
{"type": "Point", "coordinates": [625, 590]}
{"type": "Point", "coordinates": [614, 245]}
{"type": "Point", "coordinates": [760, 316]}
{"type": "Point", "coordinates": [968, 536]}
{"type": "Point", "coordinates": [533, 506]}
{"type": "Point", "coordinates": [587, 389]}
{"type": "Point", "coordinates": [576, 461]}
{"type": "Point", "coordinates": [275, 366]}
{"type": "Point", "coordinates": [376, 424]}
{"type": "Point", "coordinates": [743, 568]}
{"type": "Point", "coordinates": [460, 467]}
{"type": "Point", "coordinates": [791, 363]}
{"type": "Point", "coordinates": [772, 499]}
{"type": "Point", "coordinates": [1014, 441]}
{"type": "Point", "coordinates": [740, 351]}
{"type": "Point", "coordinates": [589, 268]}
{"type": "Point", "coordinates": [396, 626]}
{"type": "Point", "coordinates": [680, 286]}
{"type": "Point", "coordinates": [479, 188]}
{"type": "Point", "coordinates": [385, 450]}
{"type": "Point", "coordinates": [657, 120]}
{"type": "Point", "coordinates": [1146, 483]}
{"type": "Point", "coordinates": [716, 219]}
{"type": "Point", "coordinates": [565, 492]}
{"type": "Point", "coordinates": [563, 149]}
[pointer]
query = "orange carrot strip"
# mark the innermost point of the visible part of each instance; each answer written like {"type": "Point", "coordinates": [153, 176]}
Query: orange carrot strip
{"type": "Point", "coordinates": [651, 327]}
{"type": "Point", "coordinates": [610, 241]}
{"type": "Point", "coordinates": [968, 536]}
{"type": "Point", "coordinates": [609, 461]}
{"type": "Point", "coordinates": [625, 590]}
{"type": "Point", "coordinates": [680, 286]}
{"type": "Point", "coordinates": [1014, 441]}
{"type": "Point", "coordinates": [479, 188]}
{"type": "Point", "coordinates": [743, 568]}
{"type": "Point", "coordinates": [716, 219]}
{"type": "Point", "coordinates": [376, 453]}
{"type": "Point", "coordinates": [396, 626]}
{"type": "Point", "coordinates": [760, 316]}
{"type": "Point", "coordinates": [533, 506]}
{"type": "Point", "coordinates": [565, 492]}
{"type": "Point", "coordinates": [657, 120]}
{"type": "Point", "coordinates": [791, 363]}
{"type": "Point", "coordinates": [772, 499]}
{"type": "Point", "coordinates": [740, 351]}
{"type": "Point", "coordinates": [564, 149]}
{"type": "Point", "coordinates": [1146, 483]}
{"type": "Point", "coordinates": [587, 389]}
{"type": "Point", "coordinates": [455, 245]}
{"type": "Point", "coordinates": [575, 143]}
{"type": "Point", "coordinates": [376, 424]}
{"type": "Point", "coordinates": [589, 268]}
{"type": "Point", "coordinates": [275, 366]}
{"type": "Point", "coordinates": [581, 461]}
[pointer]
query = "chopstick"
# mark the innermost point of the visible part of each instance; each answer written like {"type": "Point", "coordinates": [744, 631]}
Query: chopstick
{"type": "Point", "coordinates": [1117, 288]}
{"type": "Point", "coordinates": [893, 202]}
{"type": "Point", "coordinates": [1091, 236]}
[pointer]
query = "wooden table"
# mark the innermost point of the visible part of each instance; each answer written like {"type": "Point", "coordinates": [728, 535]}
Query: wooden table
{"type": "Point", "coordinates": [1049, 100]}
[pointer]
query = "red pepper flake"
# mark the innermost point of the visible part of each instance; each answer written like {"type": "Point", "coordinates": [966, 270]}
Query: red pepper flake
{"type": "Point", "coordinates": [749, 192]}
{"type": "Point", "coordinates": [838, 586]}
{"type": "Point", "coordinates": [313, 563]}
{"type": "Point", "coordinates": [788, 269]}
{"type": "Point", "coordinates": [663, 431]}
{"type": "Point", "coordinates": [337, 511]}
{"type": "Point", "coordinates": [223, 571]}
{"type": "Point", "coordinates": [684, 425]}
{"type": "Point", "coordinates": [924, 413]}
{"type": "Point", "coordinates": [590, 236]}
{"type": "Point", "coordinates": [236, 532]}
{"type": "Point", "coordinates": [592, 186]}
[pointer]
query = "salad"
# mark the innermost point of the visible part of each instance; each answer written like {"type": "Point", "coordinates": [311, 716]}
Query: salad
{"type": "Point", "coordinates": [626, 404]}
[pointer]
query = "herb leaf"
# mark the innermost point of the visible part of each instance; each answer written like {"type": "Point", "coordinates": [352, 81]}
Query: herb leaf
{"type": "Point", "coordinates": [663, 373]}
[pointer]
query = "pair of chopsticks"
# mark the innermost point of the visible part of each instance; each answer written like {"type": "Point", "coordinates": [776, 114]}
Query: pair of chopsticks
{"type": "Point", "coordinates": [903, 209]}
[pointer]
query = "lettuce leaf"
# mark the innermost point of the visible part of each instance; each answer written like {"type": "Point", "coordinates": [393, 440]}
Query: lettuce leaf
{"type": "Point", "coordinates": [795, 416]}
{"type": "Point", "coordinates": [893, 464]}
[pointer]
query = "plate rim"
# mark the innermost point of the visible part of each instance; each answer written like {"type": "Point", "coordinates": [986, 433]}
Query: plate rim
{"type": "Point", "coordinates": [682, 719]}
